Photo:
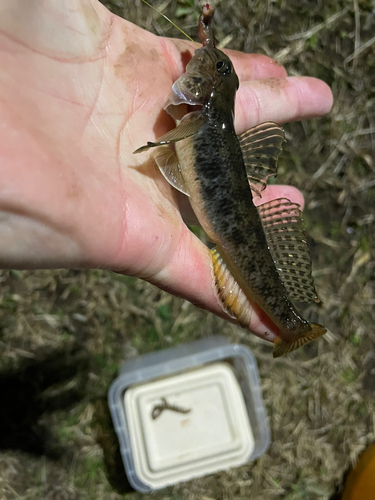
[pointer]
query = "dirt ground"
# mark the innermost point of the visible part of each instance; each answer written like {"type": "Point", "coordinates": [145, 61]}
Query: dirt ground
{"type": "Point", "coordinates": [64, 333]}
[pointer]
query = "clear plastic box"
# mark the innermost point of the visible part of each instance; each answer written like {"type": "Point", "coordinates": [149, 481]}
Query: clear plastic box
{"type": "Point", "coordinates": [160, 451]}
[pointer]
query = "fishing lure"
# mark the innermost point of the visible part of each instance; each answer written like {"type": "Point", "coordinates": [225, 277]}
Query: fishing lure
{"type": "Point", "coordinates": [261, 255]}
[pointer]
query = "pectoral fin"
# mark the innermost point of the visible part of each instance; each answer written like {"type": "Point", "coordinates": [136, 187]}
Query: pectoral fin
{"type": "Point", "coordinates": [167, 161]}
{"type": "Point", "coordinates": [188, 126]}
{"type": "Point", "coordinates": [230, 295]}
{"type": "Point", "coordinates": [261, 147]}
{"type": "Point", "coordinates": [283, 228]}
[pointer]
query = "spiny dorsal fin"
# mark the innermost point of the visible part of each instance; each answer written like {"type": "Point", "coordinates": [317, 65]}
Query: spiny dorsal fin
{"type": "Point", "coordinates": [189, 125]}
{"type": "Point", "coordinates": [261, 148]}
{"type": "Point", "coordinates": [167, 161]}
{"type": "Point", "coordinates": [282, 224]}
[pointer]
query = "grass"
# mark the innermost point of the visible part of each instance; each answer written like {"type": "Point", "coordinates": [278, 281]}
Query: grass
{"type": "Point", "coordinates": [63, 334]}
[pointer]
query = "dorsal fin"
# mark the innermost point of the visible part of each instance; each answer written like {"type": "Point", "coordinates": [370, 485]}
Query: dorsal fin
{"type": "Point", "coordinates": [261, 147]}
{"type": "Point", "coordinates": [282, 224]}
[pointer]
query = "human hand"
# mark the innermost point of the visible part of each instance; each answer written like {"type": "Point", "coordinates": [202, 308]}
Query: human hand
{"type": "Point", "coordinates": [80, 90]}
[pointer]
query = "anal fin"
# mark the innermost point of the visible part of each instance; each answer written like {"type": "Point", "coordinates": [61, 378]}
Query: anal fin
{"type": "Point", "coordinates": [230, 295]}
{"type": "Point", "coordinates": [281, 347]}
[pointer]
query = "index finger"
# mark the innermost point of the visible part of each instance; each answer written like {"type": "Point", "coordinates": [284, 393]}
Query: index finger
{"type": "Point", "coordinates": [281, 100]}
{"type": "Point", "coordinates": [255, 66]}
{"type": "Point", "coordinates": [247, 66]}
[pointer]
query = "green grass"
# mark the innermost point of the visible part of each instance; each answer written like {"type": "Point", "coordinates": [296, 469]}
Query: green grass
{"type": "Point", "coordinates": [319, 407]}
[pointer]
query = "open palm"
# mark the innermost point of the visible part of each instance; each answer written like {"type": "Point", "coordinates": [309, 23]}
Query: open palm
{"type": "Point", "coordinates": [80, 90]}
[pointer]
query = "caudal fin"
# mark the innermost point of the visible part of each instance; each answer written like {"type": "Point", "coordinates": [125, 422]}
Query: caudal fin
{"type": "Point", "coordinates": [281, 347]}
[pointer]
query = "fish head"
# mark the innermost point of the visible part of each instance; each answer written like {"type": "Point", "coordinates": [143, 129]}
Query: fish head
{"type": "Point", "coordinates": [209, 76]}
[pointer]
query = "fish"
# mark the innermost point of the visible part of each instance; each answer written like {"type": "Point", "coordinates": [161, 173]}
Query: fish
{"type": "Point", "coordinates": [260, 254]}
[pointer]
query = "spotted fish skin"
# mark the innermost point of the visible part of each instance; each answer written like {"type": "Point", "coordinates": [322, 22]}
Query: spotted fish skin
{"type": "Point", "coordinates": [213, 168]}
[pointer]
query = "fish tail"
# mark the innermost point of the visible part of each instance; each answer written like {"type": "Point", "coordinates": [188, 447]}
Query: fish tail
{"type": "Point", "coordinates": [281, 346]}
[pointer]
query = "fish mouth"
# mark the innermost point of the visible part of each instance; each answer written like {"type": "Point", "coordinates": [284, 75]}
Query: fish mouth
{"type": "Point", "coordinates": [183, 100]}
{"type": "Point", "coordinates": [185, 90]}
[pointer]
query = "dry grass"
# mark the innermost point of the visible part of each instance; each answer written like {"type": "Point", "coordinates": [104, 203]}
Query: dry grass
{"type": "Point", "coordinates": [64, 333]}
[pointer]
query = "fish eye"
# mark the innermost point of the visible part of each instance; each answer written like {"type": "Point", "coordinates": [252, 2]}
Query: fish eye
{"type": "Point", "coordinates": [224, 67]}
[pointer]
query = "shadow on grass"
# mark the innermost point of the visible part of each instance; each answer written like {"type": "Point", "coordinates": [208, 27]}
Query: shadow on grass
{"type": "Point", "coordinates": [106, 437]}
{"type": "Point", "coordinates": [337, 495]}
{"type": "Point", "coordinates": [43, 386]}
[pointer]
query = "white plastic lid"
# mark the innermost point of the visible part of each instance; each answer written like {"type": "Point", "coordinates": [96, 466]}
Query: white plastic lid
{"type": "Point", "coordinates": [209, 432]}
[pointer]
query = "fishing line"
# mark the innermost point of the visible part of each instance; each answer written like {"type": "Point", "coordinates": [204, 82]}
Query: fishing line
{"type": "Point", "coordinates": [167, 18]}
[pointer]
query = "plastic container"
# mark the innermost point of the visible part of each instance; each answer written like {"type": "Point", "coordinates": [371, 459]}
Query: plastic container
{"type": "Point", "coordinates": [188, 411]}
